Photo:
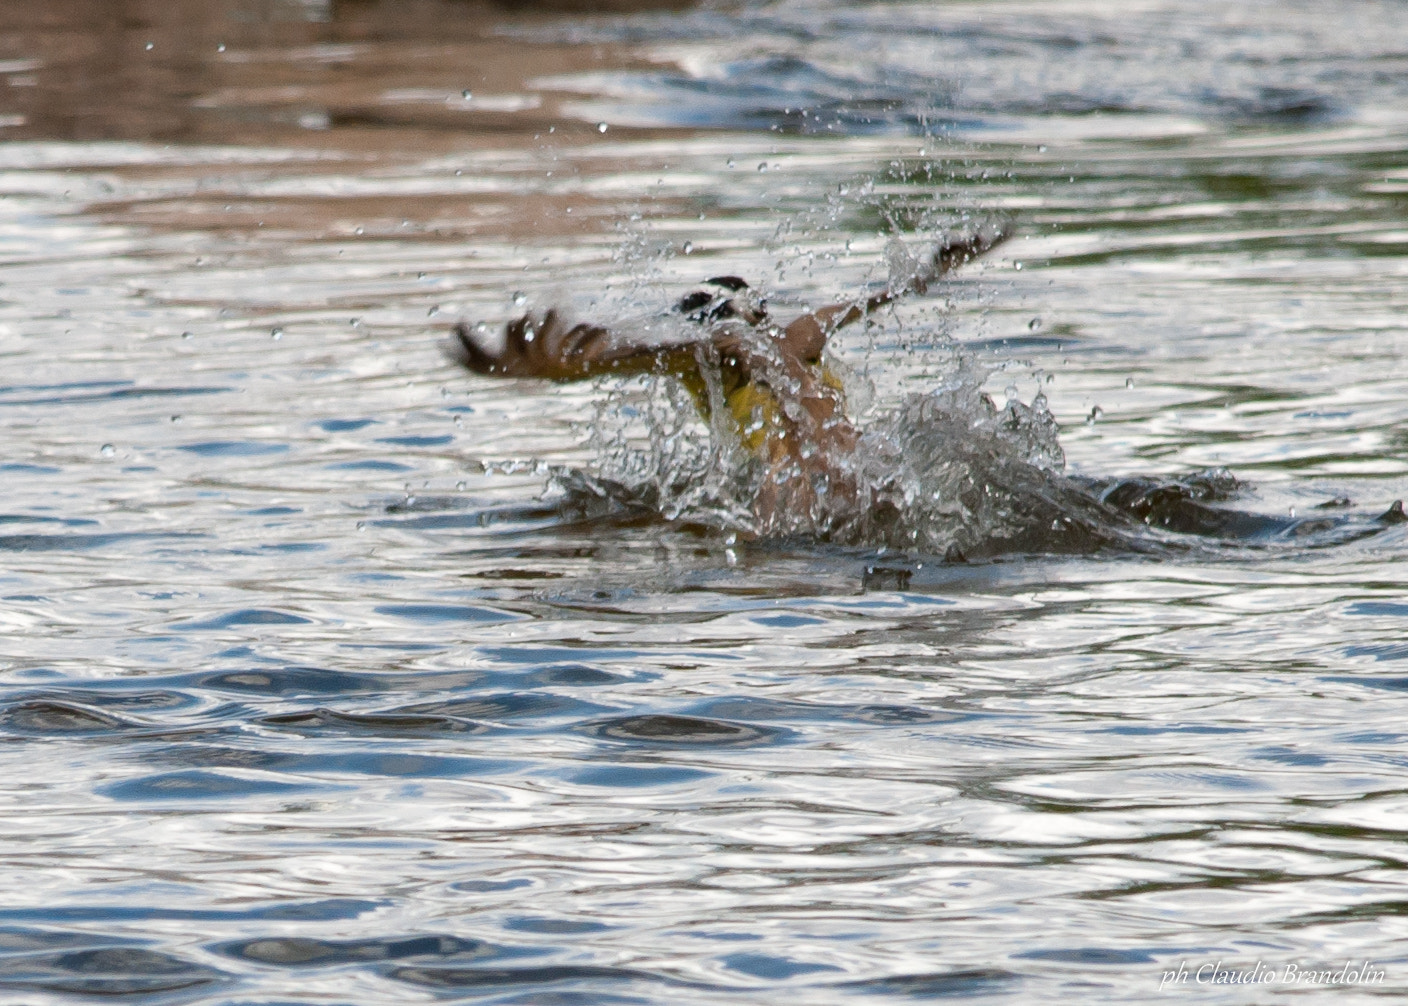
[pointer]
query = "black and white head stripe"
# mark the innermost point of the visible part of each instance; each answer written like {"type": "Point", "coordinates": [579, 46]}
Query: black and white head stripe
{"type": "Point", "coordinates": [730, 298]}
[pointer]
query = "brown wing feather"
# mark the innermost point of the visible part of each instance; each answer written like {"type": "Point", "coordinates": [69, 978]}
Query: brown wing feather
{"type": "Point", "coordinates": [546, 347]}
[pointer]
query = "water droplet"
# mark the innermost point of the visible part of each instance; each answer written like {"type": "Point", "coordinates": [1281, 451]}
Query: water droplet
{"type": "Point", "coordinates": [1034, 324]}
{"type": "Point", "coordinates": [434, 310]}
{"type": "Point", "coordinates": [601, 127]}
{"type": "Point", "coordinates": [1293, 512]}
{"type": "Point", "coordinates": [276, 333]}
{"type": "Point", "coordinates": [519, 298]}
{"type": "Point", "coordinates": [1129, 382]}
{"type": "Point", "coordinates": [762, 166]}
{"type": "Point", "coordinates": [730, 162]}
{"type": "Point", "coordinates": [176, 418]}
{"type": "Point", "coordinates": [1018, 267]}
{"type": "Point", "coordinates": [107, 450]}
{"type": "Point", "coordinates": [188, 335]}
{"type": "Point", "coordinates": [220, 47]}
{"type": "Point", "coordinates": [688, 247]}
{"type": "Point", "coordinates": [466, 94]}
{"type": "Point", "coordinates": [151, 46]}
{"type": "Point", "coordinates": [1041, 149]}
{"type": "Point", "coordinates": [1095, 414]}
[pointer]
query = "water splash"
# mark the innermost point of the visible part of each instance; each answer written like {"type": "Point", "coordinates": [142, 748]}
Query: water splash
{"type": "Point", "coordinates": [947, 471]}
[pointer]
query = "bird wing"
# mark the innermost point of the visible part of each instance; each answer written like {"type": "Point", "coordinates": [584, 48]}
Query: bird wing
{"type": "Point", "coordinates": [807, 335]}
{"type": "Point", "coordinates": [548, 347]}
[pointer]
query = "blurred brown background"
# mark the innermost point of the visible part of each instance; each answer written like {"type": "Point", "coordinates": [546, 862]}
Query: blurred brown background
{"type": "Point", "coordinates": [285, 71]}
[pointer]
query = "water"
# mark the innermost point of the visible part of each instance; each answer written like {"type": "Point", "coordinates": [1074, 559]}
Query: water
{"type": "Point", "coordinates": [311, 690]}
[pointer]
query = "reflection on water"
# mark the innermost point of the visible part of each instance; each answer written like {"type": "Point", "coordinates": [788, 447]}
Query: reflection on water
{"type": "Point", "coordinates": [307, 692]}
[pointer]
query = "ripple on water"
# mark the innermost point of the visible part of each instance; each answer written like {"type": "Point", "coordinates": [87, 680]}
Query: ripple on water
{"type": "Point", "coordinates": [104, 972]}
{"type": "Point", "coordinates": [440, 613]}
{"type": "Point", "coordinates": [200, 785]}
{"type": "Point", "coordinates": [580, 982]}
{"type": "Point", "coordinates": [749, 708]}
{"type": "Point", "coordinates": [245, 616]}
{"type": "Point", "coordinates": [767, 966]}
{"type": "Point", "coordinates": [305, 952]}
{"type": "Point", "coordinates": [500, 707]}
{"type": "Point", "coordinates": [82, 542]}
{"type": "Point", "coordinates": [666, 730]}
{"type": "Point", "coordinates": [233, 448]}
{"type": "Point", "coordinates": [293, 681]}
{"type": "Point", "coordinates": [322, 721]}
{"type": "Point", "coordinates": [55, 716]}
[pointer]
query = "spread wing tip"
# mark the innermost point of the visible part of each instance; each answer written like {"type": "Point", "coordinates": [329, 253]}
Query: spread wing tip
{"type": "Point", "coordinates": [464, 350]}
{"type": "Point", "coordinates": [957, 251]}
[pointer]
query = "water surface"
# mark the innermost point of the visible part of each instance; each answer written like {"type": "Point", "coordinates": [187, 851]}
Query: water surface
{"type": "Point", "coordinates": [311, 691]}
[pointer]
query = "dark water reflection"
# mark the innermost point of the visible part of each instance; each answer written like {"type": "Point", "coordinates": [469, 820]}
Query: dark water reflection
{"type": "Point", "coordinates": [307, 695]}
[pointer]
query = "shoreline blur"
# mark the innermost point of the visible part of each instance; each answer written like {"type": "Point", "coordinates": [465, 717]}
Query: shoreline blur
{"type": "Point", "coordinates": [346, 73]}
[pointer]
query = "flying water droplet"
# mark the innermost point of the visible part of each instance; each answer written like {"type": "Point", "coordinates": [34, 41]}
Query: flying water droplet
{"type": "Point", "coordinates": [601, 127]}
{"type": "Point", "coordinates": [1034, 324]}
{"type": "Point", "coordinates": [107, 450]}
{"type": "Point", "coordinates": [688, 247]}
{"type": "Point", "coordinates": [276, 333]}
{"type": "Point", "coordinates": [1095, 413]}
{"type": "Point", "coordinates": [466, 94]}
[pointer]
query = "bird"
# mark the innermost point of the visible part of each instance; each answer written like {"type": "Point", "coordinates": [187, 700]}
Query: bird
{"type": "Point", "coordinates": [766, 381]}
